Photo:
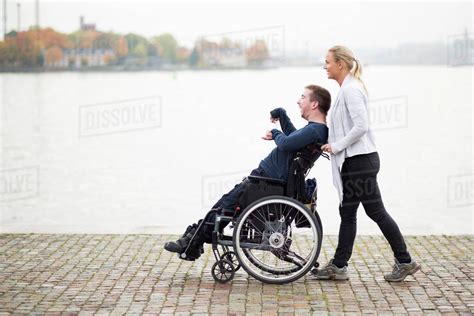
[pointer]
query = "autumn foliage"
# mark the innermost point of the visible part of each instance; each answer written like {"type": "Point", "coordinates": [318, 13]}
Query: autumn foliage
{"type": "Point", "coordinates": [88, 47]}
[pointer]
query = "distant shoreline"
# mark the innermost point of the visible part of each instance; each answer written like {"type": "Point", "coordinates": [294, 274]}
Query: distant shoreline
{"type": "Point", "coordinates": [178, 69]}
{"type": "Point", "coordinates": [127, 69]}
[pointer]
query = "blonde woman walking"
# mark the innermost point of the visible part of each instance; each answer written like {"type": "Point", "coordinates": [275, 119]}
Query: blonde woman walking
{"type": "Point", "coordinates": [355, 164]}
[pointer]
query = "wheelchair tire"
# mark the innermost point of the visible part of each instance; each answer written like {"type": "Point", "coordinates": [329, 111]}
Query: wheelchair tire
{"type": "Point", "coordinates": [223, 271]}
{"type": "Point", "coordinates": [265, 268]}
{"type": "Point", "coordinates": [282, 252]}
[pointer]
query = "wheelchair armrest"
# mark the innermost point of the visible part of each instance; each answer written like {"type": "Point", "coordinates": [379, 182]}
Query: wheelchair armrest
{"type": "Point", "coordinates": [269, 180]}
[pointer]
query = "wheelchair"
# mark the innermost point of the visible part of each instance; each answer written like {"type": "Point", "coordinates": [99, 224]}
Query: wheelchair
{"type": "Point", "coordinates": [276, 232]}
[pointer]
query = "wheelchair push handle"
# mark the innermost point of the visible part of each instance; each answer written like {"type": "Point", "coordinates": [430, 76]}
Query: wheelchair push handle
{"type": "Point", "coordinates": [317, 149]}
{"type": "Point", "coordinates": [323, 154]}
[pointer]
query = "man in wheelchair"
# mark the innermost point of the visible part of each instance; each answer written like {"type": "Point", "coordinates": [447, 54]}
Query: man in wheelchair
{"type": "Point", "coordinates": [314, 105]}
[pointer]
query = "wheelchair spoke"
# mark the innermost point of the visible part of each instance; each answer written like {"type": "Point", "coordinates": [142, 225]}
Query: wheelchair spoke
{"type": "Point", "coordinates": [262, 219]}
{"type": "Point", "coordinates": [299, 219]}
{"type": "Point", "coordinates": [256, 229]}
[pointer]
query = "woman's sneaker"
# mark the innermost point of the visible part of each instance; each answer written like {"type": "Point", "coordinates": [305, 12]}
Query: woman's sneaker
{"type": "Point", "coordinates": [331, 272]}
{"type": "Point", "coordinates": [401, 270]}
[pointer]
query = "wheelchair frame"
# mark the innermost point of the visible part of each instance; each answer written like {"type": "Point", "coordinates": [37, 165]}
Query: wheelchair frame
{"type": "Point", "coordinates": [229, 261]}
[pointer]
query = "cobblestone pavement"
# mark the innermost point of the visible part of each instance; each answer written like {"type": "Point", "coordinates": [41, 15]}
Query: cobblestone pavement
{"type": "Point", "coordinates": [132, 274]}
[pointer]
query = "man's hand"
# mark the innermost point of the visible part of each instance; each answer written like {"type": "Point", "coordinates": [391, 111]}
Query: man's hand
{"type": "Point", "coordinates": [326, 148]}
{"type": "Point", "coordinates": [268, 135]}
{"type": "Point", "coordinates": [275, 113]}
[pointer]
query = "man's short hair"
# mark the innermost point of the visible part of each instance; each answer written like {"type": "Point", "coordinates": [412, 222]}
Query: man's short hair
{"type": "Point", "coordinates": [322, 96]}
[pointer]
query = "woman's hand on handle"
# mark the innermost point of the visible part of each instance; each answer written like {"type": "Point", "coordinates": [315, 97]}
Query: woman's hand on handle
{"type": "Point", "coordinates": [327, 148]}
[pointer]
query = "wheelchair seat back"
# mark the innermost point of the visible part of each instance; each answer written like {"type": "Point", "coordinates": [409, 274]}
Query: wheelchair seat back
{"type": "Point", "coordinates": [299, 168]}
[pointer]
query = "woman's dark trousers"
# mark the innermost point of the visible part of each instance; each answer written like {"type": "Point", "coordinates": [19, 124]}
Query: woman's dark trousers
{"type": "Point", "coordinates": [359, 179]}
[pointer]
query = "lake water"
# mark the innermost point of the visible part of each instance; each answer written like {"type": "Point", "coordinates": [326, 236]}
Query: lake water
{"type": "Point", "coordinates": [149, 152]}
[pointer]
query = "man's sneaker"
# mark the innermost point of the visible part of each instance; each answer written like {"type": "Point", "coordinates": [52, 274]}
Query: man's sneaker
{"type": "Point", "coordinates": [180, 245]}
{"type": "Point", "coordinates": [401, 270]}
{"type": "Point", "coordinates": [330, 272]}
{"type": "Point", "coordinates": [192, 254]}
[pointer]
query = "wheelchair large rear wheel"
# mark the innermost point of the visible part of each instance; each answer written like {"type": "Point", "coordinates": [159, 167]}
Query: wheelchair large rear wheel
{"type": "Point", "coordinates": [277, 239]}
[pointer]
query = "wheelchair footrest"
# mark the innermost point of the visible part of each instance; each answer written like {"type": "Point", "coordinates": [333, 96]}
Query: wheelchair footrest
{"type": "Point", "coordinates": [183, 256]}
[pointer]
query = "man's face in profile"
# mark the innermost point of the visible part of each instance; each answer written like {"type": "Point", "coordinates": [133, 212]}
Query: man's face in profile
{"type": "Point", "coordinates": [305, 103]}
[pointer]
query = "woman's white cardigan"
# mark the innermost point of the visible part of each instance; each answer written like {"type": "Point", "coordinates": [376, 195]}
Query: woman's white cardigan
{"type": "Point", "coordinates": [349, 131]}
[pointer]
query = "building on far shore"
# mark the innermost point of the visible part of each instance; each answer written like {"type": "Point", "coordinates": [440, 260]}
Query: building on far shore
{"type": "Point", "coordinates": [212, 54]}
{"type": "Point", "coordinates": [85, 27]}
{"type": "Point", "coordinates": [82, 57]}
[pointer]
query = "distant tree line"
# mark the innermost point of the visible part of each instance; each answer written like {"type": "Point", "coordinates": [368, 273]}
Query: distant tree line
{"type": "Point", "coordinates": [47, 48]}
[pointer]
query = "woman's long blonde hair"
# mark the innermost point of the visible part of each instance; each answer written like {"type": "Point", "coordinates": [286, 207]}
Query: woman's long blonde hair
{"type": "Point", "coordinates": [344, 54]}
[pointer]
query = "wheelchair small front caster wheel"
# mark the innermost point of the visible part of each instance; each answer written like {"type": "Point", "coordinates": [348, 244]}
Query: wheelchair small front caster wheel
{"type": "Point", "coordinates": [223, 271]}
{"type": "Point", "coordinates": [232, 257]}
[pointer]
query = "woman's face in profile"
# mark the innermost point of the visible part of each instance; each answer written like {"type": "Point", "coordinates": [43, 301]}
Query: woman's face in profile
{"type": "Point", "coordinates": [333, 68]}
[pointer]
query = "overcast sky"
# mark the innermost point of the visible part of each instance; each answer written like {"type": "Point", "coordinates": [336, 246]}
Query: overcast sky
{"type": "Point", "coordinates": [307, 25]}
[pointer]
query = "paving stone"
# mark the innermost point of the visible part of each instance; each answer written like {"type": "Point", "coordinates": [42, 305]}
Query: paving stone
{"type": "Point", "coordinates": [43, 274]}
